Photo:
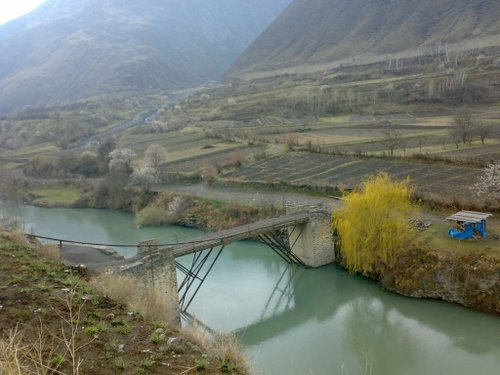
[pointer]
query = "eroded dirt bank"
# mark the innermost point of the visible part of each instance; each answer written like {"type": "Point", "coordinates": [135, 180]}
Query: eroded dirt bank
{"type": "Point", "coordinates": [471, 280]}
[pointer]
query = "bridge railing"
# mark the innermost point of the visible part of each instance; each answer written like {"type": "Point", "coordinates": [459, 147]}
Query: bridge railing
{"type": "Point", "coordinates": [222, 236]}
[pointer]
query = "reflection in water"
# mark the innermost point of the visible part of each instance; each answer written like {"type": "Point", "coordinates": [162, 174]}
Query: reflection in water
{"type": "Point", "coordinates": [282, 295]}
{"type": "Point", "coordinates": [376, 338]}
{"type": "Point", "coordinates": [298, 321]}
{"type": "Point", "coordinates": [348, 325]}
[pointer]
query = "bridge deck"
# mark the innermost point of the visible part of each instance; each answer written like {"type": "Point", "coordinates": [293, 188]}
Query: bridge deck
{"type": "Point", "coordinates": [243, 232]}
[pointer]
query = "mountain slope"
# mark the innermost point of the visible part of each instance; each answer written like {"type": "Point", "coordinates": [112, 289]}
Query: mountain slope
{"type": "Point", "coordinates": [320, 31]}
{"type": "Point", "coordinates": [67, 50]}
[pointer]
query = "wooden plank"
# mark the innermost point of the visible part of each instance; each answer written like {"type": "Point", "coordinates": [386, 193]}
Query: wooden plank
{"type": "Point", "coordinates": [463, 218]}
{"type": "Point", "coordinates": [482, 214]}
{"type": "Point", "coordinates": [470, 218]}
{"type": "Point", "coordinates": [226, 237]}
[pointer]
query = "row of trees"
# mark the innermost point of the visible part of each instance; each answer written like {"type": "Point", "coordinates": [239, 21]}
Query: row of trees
{"type": "Point", "coordinates": [87, 164]}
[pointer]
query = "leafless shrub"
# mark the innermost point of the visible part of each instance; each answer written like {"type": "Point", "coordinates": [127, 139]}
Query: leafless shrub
{"type": "Point", "coordinates": [237, 158]}
{"type": "Point", "coordinates": [11, 355]}
{"type": "Point", "coordinates": [260, 156]}
{"type": "Point", "coordinates": [209, 172]}
{"type": "Point", "coordinates": [291, 141]}
{"type": "Point", "coordinates": [34, 358]}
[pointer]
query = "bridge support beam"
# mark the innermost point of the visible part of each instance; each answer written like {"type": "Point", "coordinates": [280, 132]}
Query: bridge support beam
{"type": "Point", "coordinates": [313, 241]}
{"type": "Point", "coordinates": [195, 275]}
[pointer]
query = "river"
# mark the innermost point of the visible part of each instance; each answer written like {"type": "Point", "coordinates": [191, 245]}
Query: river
{"type": "Point", "coordinates": [296, 321]}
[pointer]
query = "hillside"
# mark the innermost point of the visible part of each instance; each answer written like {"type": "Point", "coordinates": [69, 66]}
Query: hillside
{"type": "Point", "coordinates": [54, 320]}
{"type": "Point", "coordinates": [323, 31]}
{"type": "Point", "coordinates": [68, 50]}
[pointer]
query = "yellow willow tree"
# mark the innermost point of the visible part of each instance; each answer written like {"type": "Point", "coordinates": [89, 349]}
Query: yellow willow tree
{"type": "Point", "coordinates": [373, 224]}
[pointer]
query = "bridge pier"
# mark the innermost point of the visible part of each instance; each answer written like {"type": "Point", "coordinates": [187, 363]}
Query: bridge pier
{"type": "Point", "coordinates": [160, 274]}
{"type": "Point", "coordinates": [313, 240]}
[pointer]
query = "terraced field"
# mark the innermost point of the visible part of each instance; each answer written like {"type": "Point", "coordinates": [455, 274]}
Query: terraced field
{"type": "Point", "coordinates": [301, 169]}
{"type": "Point", "coordinates": [216, 156]}
{"type": "Point", "coordinates": [410, 134]}
{"type": "Point", "coordinates": [490, 153]}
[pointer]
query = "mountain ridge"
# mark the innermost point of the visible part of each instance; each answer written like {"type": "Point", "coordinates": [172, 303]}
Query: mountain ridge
{"type": "Point", "coordinates": [318, 32]}
{"type": "Point", "coordinates": [69, 50]}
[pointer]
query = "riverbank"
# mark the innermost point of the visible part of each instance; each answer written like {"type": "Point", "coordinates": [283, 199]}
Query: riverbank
{"type": "Point", "coordinates": [156, 208]}
{"type": "Point", "coordinates": [470, 280]}
{"type": "Point", "coordinates": [274, 309]}
{"type": "Point", "coordinates": [464, 272]}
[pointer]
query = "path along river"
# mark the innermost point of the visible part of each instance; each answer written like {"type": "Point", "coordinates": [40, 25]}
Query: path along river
{"type": "Point", "coordinates": [297, 321]}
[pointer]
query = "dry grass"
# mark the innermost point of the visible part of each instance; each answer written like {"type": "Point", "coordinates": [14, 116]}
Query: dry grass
{"type": "Point", "coordinates": [17, 236]}
{"type": "Point", "coordinates": [49, 251]}
{"type": "Point", "coordinates": [150, 302]}
{"type": "Point", "coordinates": [10, 355]}
{"type": "Point", "coordinates": [225, 347]}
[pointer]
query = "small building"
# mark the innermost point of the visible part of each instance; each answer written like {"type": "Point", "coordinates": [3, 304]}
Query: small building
{"type": "Point", "coordinates": [470, 224]}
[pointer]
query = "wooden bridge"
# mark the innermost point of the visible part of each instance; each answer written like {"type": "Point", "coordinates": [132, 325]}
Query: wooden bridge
{"type": "Point", "coordinates": [225, 237]}
{"type": "Point", "coordinates": [281, 234]}
{"type": "Point", "coordinates": [274, 232]}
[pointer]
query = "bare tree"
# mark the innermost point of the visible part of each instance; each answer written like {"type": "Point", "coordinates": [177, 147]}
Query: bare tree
{"type": "Point", "coordinates": [421, 141]}
{"type": "Point", "coordinates": [392, 140]}
{"type": "Point", "coordinates": [483, 132]}
{"type": "Point", "coordinates": [155, 156]}
{"type": "Point", "coordinates": [463, 126]}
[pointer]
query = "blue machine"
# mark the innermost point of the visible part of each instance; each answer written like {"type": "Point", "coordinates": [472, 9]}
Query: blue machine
{"type": "Point", "coordinates": [468, 232]}
{"type": "Point", "coordinates": [470, 229]}
{"type": "Point", "coordinates": [470, 224]}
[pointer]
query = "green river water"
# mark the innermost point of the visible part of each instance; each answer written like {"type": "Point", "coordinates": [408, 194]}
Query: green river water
{"type": "Point", "coordinates": [297, 321]}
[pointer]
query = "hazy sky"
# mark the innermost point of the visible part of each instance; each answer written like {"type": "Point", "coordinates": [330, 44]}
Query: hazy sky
{"type": "Point", "coordinates": [10, 9]}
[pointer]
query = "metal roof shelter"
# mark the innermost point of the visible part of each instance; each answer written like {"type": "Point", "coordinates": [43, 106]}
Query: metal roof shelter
{"type": "Point", "coordinates": [469, 217]}
{"type": "Point", "coordinates": [469, 224]}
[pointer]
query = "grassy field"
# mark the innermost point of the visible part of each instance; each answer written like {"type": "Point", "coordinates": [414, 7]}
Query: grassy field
{"type": "Point", "coordinates": [56, 197]}
{"type": "Point", "coordinates": [436, 237]}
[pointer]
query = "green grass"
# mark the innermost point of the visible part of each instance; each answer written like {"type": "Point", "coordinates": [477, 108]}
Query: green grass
{"type": "Point", "coordinates": [158, 338]}
{"type": "Point", "coordinates": [57, 360]}
{"type": "Point", "coordinates": [31, 151]}
{"type": "Point", "coordinates": [436, 237]}
{"type": "Point", "coordinates": [56, 196]}
{"type": "Point", "coordinates": [124, 329]}
{"type": "Point", "coordinates": [96, 328]}
{"type": "Point", "coordinates": [120, 364]}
